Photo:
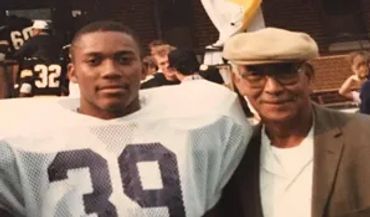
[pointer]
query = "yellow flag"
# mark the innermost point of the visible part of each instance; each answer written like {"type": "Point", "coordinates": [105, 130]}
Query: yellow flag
{"type": "Point", "coordinates": [250, 8]}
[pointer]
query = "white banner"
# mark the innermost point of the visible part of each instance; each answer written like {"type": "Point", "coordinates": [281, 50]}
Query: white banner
{"type": "Point", "coordinates": [232, 16]}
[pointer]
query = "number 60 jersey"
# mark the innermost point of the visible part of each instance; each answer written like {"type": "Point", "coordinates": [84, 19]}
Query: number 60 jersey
{"type": "Point", "coordinates": [167, 159]}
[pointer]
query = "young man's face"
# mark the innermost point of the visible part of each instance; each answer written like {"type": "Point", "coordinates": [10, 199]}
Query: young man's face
{"type": "Point", "coordinates": [107, 67]}
{"type": "Point", "coordinates": [163, 65]}
{"type": "Point", "coordinates": [278, 92]}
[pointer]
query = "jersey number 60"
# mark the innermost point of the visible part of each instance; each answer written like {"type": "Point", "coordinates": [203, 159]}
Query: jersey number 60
{"type": "Point", "coordinates": [98, 201]}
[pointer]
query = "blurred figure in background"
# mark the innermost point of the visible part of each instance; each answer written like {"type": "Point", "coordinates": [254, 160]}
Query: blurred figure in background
{"type": "Point", "coordinates": [184, 64]}
{"type": "Point", "coordinates": [359, 66]}
{"type": "Point", "coordinates": [41, 69]}
{"type": "Point", "coordinates": [365, 95]}
{"type": "Point", "coordinates": [42, 45]}
{"type": "Point", "coordinates": [164, 76]}
{"type": "Point", "coordinates": [149, 68]}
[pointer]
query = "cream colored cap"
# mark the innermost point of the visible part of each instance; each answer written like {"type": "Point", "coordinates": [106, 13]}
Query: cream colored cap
{"type": "Point", "coordinates": [269, 45]}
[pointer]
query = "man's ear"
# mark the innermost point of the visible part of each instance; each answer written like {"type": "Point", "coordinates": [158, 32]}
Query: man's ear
{"type": "Point", "coordinates": [71, 73]}
{"type": "Point", "coordinates": [235, 77]}
{"type": "Point", "coordinates": [309, 71]}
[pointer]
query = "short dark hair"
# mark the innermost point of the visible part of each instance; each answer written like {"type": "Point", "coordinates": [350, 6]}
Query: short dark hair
{"type": "Point", "coordinates": [105, 26]}
{"type": "Point", "coordinates": [184, 61]}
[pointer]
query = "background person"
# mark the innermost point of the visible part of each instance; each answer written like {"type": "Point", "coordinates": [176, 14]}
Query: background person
{"type": "Point", "coordinates": [184, 64]}
{"type": "Point", "coordinates": [365, 97]}
{"type": "Point", "coordinates": [360, 68]}
{"type": "Point", "coordinates": [164, 76]}
{"type": "Point", "coordinates": [150, 68]}
{"type": "Point", "coordinates": [41, 71]}
{"type": "Point", "coordinates": [42, 45]}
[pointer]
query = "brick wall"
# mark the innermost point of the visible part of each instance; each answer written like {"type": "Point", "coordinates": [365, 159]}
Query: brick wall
{"type": "Point", "coordinates": [331, 71]}
{"type": "Point", "coordinates": [139, 15]}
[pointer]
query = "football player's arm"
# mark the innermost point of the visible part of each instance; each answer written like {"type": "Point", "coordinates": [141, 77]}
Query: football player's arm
{"type": "Point", "coordinates": [237, 135]}
{"type": "Point", "coordinates": [11, 201]}
{"type": "Point", "coordinates": [233, 136]}
{"type": "Point", "coordinates": [25, 83]}
{"type": "Point", "coordinates": [230, 147]}
{"type": "Point", "coordinates": [237, 139]}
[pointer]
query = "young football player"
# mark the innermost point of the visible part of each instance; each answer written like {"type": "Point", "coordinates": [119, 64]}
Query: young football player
{"type": "Point", "coordinates": [112, 153]}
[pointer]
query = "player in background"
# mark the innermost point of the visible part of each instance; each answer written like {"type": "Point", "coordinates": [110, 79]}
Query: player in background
{"type": "Point", "coordinates": [41, 45]}
{"type": "Point", "coordinates": [14, 31]}
{"type": "Point", "coordinates": [113, 152]}
{"type": "Point", "coordinates": [41, 69]}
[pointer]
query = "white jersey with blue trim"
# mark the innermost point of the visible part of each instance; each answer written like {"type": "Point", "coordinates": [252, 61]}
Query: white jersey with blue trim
{"type": "Point", "coordinates": [168, 159]}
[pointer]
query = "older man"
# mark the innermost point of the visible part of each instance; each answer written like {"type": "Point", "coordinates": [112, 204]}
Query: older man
{"type": "Point", "coordinates": [304, 160]}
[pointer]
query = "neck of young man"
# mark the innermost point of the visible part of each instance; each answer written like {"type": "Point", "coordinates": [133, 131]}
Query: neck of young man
{"type": "Point", "coordinates": [289, 133]}
{"type": "Point", "coordinates": [111, 113]}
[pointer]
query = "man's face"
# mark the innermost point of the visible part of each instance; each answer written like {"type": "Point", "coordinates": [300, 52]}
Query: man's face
{"type": "Point", "coordinates": [278, 92]}
{"type": "Point", "coordinates": [163, 65]}
{"type": "Point", "coordinates": [162, 62]}
{"type": "Point", "coordinates": [35, 32]}
{"type": "Point", "coordinates": [107, 67]}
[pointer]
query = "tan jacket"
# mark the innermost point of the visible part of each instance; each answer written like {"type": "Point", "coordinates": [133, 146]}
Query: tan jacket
{"type": "Point", "coordinates": [341, 180]}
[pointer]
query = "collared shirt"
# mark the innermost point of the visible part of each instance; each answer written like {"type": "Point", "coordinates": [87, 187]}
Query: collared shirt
{"type": "Point", "coordinates": [286, 176]}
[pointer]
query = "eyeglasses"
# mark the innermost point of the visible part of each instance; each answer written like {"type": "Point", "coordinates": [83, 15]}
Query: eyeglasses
{"type": "Point", "coordinates": [284, 73]}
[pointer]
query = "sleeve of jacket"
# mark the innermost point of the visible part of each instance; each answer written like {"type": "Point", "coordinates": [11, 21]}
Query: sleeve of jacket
{"type": "Point", "coordinates": [365, 98]}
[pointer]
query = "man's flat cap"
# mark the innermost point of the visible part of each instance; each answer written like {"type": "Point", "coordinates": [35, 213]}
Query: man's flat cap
{"type": "Point", "coordinates": [270, 45]}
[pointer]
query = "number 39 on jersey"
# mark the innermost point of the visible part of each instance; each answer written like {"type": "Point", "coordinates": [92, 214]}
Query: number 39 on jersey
{"type": "Point", "coordinates": [130, 161]}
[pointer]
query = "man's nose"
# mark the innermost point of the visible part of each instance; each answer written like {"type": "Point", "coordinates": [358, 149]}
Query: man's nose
{"type": "Point", "coordinates": [111, 69]}
{"type": "Point", "coordinates": [272, 85]}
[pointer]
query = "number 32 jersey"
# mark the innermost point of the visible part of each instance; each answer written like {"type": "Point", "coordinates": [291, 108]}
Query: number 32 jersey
{"type": "Point", "coordinates": [163, 160]}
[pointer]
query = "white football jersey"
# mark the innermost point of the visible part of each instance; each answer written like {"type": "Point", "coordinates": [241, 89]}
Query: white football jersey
{"type": "Point", "coordinates": [167, 159]}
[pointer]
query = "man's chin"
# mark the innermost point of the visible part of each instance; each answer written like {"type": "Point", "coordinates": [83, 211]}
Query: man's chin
{"type": "Point", "coordinates": [113, 105]}
{"type": "Point", "coordinates": [277, 116]}
{"type": "Point", "coordinates": [119, 105]}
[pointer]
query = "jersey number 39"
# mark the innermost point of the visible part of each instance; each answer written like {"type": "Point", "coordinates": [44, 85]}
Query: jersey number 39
{"type": "Point", "coordinates": [98, 202]}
